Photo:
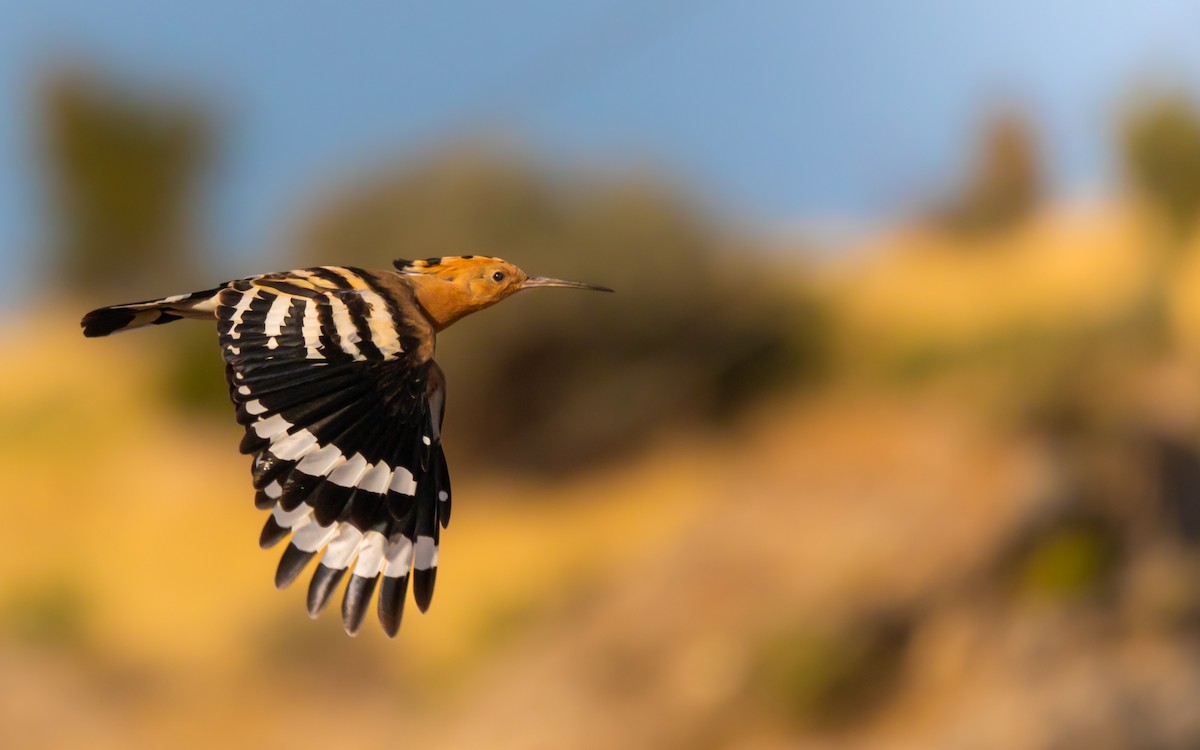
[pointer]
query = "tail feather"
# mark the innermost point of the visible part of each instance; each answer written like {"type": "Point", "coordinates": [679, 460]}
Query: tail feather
{"type": "Point", "coordinates": [117, 318]}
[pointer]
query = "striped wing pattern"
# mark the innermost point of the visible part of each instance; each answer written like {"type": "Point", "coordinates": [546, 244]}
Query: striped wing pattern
{"type": "Point", "coordinates": [344, 420]}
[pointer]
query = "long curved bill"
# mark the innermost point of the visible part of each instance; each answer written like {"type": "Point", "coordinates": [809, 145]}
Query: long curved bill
{"type": "Point", "coordinates": [536, 281]}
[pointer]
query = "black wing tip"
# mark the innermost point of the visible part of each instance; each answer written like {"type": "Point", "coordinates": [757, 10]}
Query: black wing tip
{"type": "Point", "coordinates": [423, 581]}
{"type": "Point", "coordinates": [291, 564]}
{"type": "Point", "coordinates": [272, 533]}
{"type": "Point", "coordinates": [391, 604]}
{"type": "Point", "coordinates": [252, 443]}
{"type": "Point", "coordinates": [354, 604]}
{"type": "Point", "coordinates": [320, 589]}
{"type": "Point", "coordinates": [263, 501]}
{"type": "Point", "coordinates": [106, 320]}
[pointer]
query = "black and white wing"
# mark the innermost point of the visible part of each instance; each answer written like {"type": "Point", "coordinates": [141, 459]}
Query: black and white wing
{"type": "Point", "coordinates": [331, 372]}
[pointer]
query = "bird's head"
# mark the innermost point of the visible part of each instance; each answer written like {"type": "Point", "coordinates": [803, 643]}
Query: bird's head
{"type": "Point", "coordinates": [451, 287]}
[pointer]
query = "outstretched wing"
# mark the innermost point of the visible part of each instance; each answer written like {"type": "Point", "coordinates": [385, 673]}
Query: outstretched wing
{"type": "Point", "coordinates": [331, 372]}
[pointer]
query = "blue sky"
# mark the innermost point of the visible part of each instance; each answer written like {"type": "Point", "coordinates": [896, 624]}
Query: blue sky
{"type": "Point", "coordinates": [772, 111]}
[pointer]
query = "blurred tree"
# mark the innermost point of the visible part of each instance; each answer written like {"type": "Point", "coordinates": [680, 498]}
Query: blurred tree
{"type": "Point", "coordinates": [1161, 149]}
{"type": "Point", "coordinates": [692, 334]}
{"type": "Point", "coordinates": [123, 173]}
{"type": "Point", "coordinates": [1004, 185]}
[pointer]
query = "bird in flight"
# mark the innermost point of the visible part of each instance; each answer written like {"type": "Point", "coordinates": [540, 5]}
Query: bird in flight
{"type": "Point", "coordinates": [331, 370]}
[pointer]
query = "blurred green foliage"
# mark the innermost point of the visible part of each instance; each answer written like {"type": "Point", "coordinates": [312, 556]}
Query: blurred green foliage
{"type": "Point", "coordinates": [1069, 561]}
{"type": "Point", "coordinates": [700, 326]}
{"type": "Point", "coordinates": [52, 613]}
{"type": "Point", "coordinates": [195, 374]}
{"type": "Point", "coordinates": [827, 676]}
{"type": "Point", "coordinates": [124, 171]}
{"type": "Point", "coordinates": [1161, 149]}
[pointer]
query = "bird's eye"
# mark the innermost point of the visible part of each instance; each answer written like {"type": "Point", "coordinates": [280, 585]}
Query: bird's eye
{"type": "Point", "coordinates": [498, 276]}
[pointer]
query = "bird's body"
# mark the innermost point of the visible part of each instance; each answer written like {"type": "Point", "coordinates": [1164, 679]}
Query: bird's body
{"type": "Point", "coordinates": [331, 370]}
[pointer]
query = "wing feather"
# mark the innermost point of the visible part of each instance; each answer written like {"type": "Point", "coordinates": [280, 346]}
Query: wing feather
{"type": "Point", "coordinates": [343, 414]}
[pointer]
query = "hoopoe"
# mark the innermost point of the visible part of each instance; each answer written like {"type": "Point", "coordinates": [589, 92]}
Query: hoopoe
{"type": "Point", "coordinates": [331, 370]}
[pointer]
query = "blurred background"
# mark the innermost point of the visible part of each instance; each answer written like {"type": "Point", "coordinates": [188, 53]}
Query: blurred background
{"type": "Point", "coordinates": [889, 438]}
